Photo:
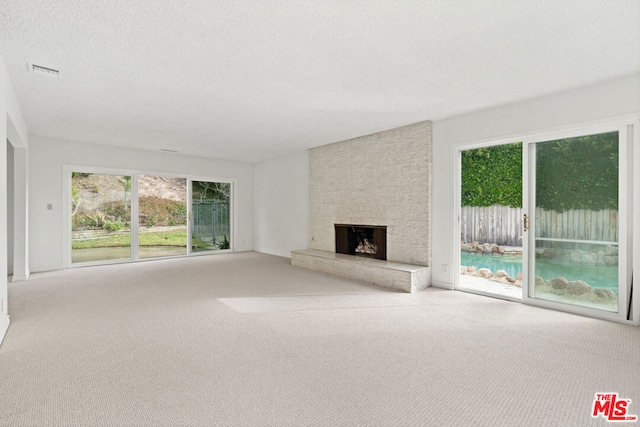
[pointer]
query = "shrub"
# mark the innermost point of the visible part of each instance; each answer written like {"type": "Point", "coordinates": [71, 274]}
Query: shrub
{"type": "Point", "coordinates": [492, 176]}
{"type": "Point", "coordinates": [578, 173]}
{"type": "Point", "coordinates": [96, 219]}
{"type": "Point", "coordinates": [118, 210]}
{"type": "Point", "coordinates": [158, 211]}
{"type": "Point", "coordinates": [112, 225]}
{"type": "Point", "coordinates": [571, 173]}
{"type": "Point", "coordinates": [224, 244]}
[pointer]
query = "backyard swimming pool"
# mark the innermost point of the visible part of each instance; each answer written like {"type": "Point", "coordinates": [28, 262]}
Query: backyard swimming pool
{"type": "Point", "coordinates": [597, 277]}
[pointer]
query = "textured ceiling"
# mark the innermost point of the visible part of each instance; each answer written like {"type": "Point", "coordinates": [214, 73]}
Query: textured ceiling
{"type": "Point", "coordinates": [249, 80]}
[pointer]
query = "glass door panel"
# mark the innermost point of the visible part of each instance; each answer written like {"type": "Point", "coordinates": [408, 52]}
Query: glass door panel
{"type": "Point", "coordinates": [100, 217]}
{"type": "Point", "coordinates": [162, 217]}
{"type": "Point", "coordinates": [576, 223]}
{"type": "Point", "coordinates": [490, 220]}
{"type": "Point", "coordinates": [210, 226]}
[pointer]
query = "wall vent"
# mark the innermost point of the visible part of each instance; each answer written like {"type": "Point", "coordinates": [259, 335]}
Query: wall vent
{"type": "Point", "coordinates": [45, 71]}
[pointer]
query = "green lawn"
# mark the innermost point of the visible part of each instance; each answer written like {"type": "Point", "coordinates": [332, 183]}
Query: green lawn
{"type": "Point", "coordinates": [165, 238]}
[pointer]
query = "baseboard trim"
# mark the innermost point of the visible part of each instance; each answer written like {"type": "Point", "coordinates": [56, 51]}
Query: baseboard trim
{"type": "Point", "coordinates": [4, 326]}
{"type": "Point", "coordinates": [442, 285]}
{"type": "Point", "coordinates": [19, 278]}
{"type": "Point", "coordinates": [43, 269]}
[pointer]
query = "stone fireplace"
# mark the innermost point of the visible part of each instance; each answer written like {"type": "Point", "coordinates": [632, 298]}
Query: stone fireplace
{"type": "Point", "coordinates": [361, 240]}
{"type": "Point", "coordinates": [384, 180]}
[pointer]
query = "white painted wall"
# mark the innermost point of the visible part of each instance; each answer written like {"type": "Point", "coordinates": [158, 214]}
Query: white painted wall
{"type": "Point", "coordinates": [19, 206]}
{"type": "Point", "coordinates": [10, 208]}
{"type": "Point", "coordinates": [12, 127]}
{"type": "Point", "coordinates": [4, 312]}
{"type": "Point", "coordinates": [281, 204]}
{"type": "Point", "coordinates": [597, 102]}
{"type": "Point", "coordinates": [47, 157]}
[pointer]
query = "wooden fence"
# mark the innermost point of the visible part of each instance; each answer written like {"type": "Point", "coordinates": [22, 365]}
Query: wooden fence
{"type": "Point", "coordinates": [578, 224]}
{"type": "Point", "coordinates": [492, 224]}
{"type": "Point", "coordinates": [503, 225]}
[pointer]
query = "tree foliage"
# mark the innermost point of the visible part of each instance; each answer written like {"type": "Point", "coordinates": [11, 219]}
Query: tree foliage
{"type": "Point", "coordinates": [492, 176]}
{"type": "Point", "coordinates": [578, 173]}
{"type": "Point", "coordinates": [219, 191]}
{"type": "Point", "coordinates": [571, 173]}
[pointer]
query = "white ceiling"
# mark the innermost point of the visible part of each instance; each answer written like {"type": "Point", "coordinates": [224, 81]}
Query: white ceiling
{"type": "Point", "coordinates": [253, 79]}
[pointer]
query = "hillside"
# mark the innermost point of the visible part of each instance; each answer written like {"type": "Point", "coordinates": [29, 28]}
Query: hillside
{"type": "Point", "coordinates": [94, 190]}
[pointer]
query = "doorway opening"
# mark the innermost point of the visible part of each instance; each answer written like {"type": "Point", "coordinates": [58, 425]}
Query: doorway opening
{"type": "Point", "coordinates": [548, 221]}
{"type": "Point", "coordinates": [490, 220]}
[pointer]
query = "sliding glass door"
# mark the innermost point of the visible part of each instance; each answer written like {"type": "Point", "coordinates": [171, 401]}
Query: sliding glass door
{"type": "Point", "coordinates": [210, 225]}
{"type": "Point", "coordinates": [100, 217]}
{"type": "Point", "coordinates": [162, 216]}
{"type": "Point", "coordinates": [122, 217]}
{"type": "Point", "coordinates": [576, 222]}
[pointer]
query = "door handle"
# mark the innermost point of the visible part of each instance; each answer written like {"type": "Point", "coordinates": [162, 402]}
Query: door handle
{"type": "Point", "coordinates": [526, 222]}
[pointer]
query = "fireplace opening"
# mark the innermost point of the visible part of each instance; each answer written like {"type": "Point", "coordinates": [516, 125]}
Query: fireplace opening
{"type": "Point", "coordinates": [362, 240]}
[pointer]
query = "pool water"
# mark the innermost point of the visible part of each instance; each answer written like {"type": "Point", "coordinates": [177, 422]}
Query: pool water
{"type": "Point", "coordinates": [597, 277]}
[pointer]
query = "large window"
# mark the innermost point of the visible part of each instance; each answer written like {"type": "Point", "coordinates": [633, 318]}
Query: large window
{"type": "Point", "coordinates": [100, 217]}
{"type": "Point", "coordinates": [126, 216]}
{"type": "Point", "coordinates": [162, 216]}
{"type": "Point", "coordinates": [211, 228]}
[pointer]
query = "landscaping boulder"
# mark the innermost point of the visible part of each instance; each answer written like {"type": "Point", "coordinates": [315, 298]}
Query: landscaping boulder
{"type": "Point", "coordinates": [501, 273]}
{"type": "Point", "coordinates": [578, 287]}
{"type": "Point", "coordinates": [605, 294]}
{"type": "Point", "coordinates": [559, 283]}
{"type": "Point", "coordinates": [611, 251]}
{"type": "Point", "coordinates": [587, 260]}
{"type": "Point", "coordinates": [485, 272]}
{"type": "Point", "coordinates": [540, 281]}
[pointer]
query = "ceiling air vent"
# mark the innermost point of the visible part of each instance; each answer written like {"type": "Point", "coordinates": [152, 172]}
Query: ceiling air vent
{"type": "Point", "coordinates": [45, 71]}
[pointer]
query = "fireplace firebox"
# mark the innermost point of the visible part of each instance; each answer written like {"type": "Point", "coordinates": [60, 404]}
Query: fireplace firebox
{"type": "Point", "coordinates": [362, 240]}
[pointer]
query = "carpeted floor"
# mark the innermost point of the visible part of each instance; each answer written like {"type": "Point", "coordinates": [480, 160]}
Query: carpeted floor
{"type": "Point", "coordinates": [246, 339]}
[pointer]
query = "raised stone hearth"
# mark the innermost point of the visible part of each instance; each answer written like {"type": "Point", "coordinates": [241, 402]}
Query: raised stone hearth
{"type": "Point", "coordinates": [392, 275]}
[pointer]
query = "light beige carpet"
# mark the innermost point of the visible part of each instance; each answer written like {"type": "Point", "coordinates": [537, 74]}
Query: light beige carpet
{"type": "Point", "coordinates": [246, 339]}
